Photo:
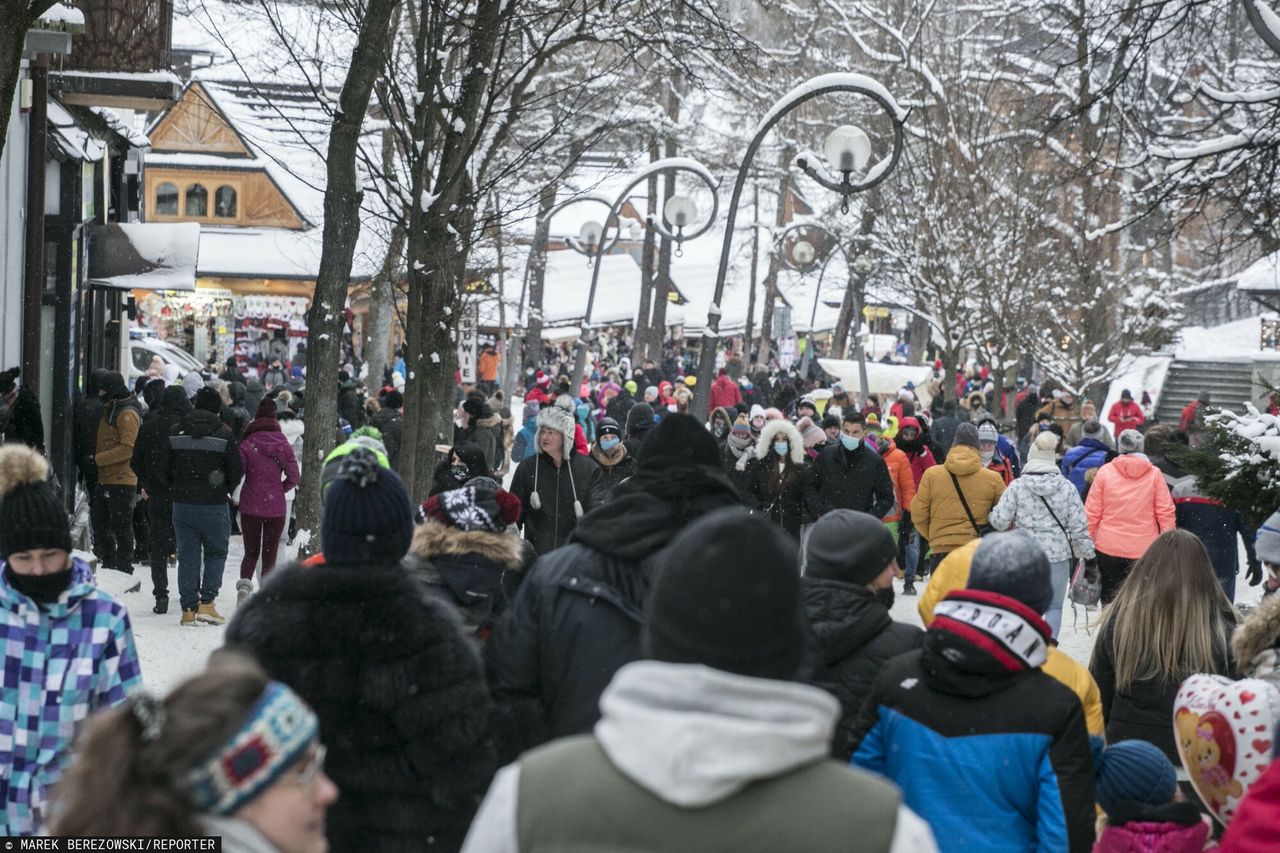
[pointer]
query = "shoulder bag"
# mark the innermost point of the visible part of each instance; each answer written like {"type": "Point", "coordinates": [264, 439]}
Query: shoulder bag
{"type": "Point", "coordinates": [979, 531]}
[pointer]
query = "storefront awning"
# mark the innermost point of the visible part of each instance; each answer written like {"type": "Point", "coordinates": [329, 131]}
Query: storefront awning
{"type": "Point", "coordinates": [144, 255]}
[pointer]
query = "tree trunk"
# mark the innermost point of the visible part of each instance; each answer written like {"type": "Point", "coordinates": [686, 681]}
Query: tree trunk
{"type": "Point", "coordinates": [538, 278]}
{"type": "Point", "coordinates": [845, 319]}
{"type": "Point", "coordinates": [382, 307]}
{"type": "Point", "coordinates": [775, 264]}
{"type": "Point", "coordinates": [342, 199]}
{"type": "Point", "coordinates": [643, 332]}
{"type": "Point", "coordinates": [439, 244]}
{"type": "Point", "coordinates": [662, 280]}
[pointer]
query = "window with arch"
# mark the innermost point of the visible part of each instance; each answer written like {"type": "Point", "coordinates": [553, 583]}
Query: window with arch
{"type": "Point", "coordinates": [224, 203]}
{"type": "Point", "coordinates": [197, 203]}
{"type": "Point", "coordinates": [166, 199]}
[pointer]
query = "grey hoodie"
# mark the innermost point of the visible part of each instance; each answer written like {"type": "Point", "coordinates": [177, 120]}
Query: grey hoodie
{"type": "Point", "coordinates": [694, 736]}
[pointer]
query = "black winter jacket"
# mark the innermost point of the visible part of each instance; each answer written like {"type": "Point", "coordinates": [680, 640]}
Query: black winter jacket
{"type": "Point", "coordinates": [22, 422]}
{"type": "Point", "coordinates": [391, 425]}
{"type": "Point", "coordinates": [477, 572]}
{"type": "Point", "coordinates": [785, 507]}
{"type": "Point", "coordinates": [400, 696]}
{"type": "Point", "coordinates": [577, 617]}
{"type": "Point", "coordinates": [236, 415]}
{"type": "Point", "coordinates": [612, 475]}
{"type": "Point", "coordinates": [858, 637]}
{"type": "Point", "coordinates": [858, 480]}
{"type": "Point", "coordinates": [577, 478]}
{"type": "Point", "coordinates": [84, 427]}
{"type": "Point", "coordinates": [152, 445]}
{"type": "Point", "coordinates": [1145, 710]}
{"type": "Point", "coordinates": [201, 461]}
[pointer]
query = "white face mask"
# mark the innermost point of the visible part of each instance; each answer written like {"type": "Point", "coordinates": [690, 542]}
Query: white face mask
{"type": "Point", "coordinates": [987, 456]}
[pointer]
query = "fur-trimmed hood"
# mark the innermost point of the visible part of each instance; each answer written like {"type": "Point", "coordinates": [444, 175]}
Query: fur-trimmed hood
{"type": "Point", "coordinates": [785, 429]}
{"type": "Point", "coordinates": [433, 539]}
{"type": "Point", "coordinates": [1258, 637]}
{"type": "Point", "coordinates": [489, 422]}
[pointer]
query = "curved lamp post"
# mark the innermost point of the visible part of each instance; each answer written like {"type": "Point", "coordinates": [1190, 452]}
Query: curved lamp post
{"type": "Point", "coordinates": [848, 150]}
{"type": "Point", "coordinates": [1263, 19]}
{"type": "Point", "coordinates": [677, 222]}
{"type": "Point", "coordinates": [801, 259]}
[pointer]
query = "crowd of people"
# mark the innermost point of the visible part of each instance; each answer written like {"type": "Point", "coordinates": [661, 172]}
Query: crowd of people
{"type": "Point", "coordinates": [672, 629]}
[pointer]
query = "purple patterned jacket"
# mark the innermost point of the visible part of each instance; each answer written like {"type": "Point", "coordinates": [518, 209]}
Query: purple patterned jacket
{"type": "Point", "coordinates": [60, 665]}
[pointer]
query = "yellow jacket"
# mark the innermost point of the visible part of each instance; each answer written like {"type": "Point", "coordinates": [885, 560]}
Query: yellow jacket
{"type": "Point", "coordinates": [953, 573]}
{"type": "Point", "coordinates": [936, 510]}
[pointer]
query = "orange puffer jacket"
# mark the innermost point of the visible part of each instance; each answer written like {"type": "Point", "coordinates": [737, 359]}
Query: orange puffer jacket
{"type": "Point", "coordinates": [1128, 507]}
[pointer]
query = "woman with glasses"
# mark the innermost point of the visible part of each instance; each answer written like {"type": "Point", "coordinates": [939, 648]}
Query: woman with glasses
{"type": "Point", "coordinates": [228, 754]}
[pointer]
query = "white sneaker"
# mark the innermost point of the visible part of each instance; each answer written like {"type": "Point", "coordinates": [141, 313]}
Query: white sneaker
{"type": "Point", "coordinates": [244, 589]}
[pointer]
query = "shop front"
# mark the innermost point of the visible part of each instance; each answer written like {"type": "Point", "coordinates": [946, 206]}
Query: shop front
{"type": "Point", "coordinates": [214, 322]}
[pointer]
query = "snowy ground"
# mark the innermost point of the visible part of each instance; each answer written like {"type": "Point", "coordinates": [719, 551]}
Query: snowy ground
{"type": "Point", "coordinates": [170, 653]}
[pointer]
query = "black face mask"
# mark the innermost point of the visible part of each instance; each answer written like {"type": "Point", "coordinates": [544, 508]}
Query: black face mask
{"type": "Point", "coordinates": [459, 472]}
{"type": "Point", "coordinates": [885, 597]}
{"type": "Point", "coordinates": [42, 589]}
{"type": "Point", "coordinates": [721, 430]}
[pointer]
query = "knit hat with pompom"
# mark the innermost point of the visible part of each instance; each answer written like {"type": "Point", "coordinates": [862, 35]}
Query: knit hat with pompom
{"type": "Point", "coordinates": [31, 515]}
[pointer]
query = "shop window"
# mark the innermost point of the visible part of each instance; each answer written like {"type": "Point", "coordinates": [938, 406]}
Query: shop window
{"type": "Point", "coordinates": [197, 201]}
{"type": "Point", "coordinates": [224, 203]}
{"type": "Point", "coordinates": [166, 199]}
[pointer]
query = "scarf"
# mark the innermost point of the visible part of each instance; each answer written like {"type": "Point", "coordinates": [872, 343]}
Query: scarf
{"type": "Point", "coordinates": [608, 459]}
{"type": "Point", "coordinates": [1002, 627]}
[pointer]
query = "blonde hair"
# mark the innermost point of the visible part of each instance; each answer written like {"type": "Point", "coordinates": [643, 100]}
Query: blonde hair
{"type": "Point", "coordinates": [1170, 618]}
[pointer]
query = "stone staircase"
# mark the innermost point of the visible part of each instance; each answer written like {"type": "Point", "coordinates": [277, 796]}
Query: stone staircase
{"type": "Point", "coordinates": [1229, 383]}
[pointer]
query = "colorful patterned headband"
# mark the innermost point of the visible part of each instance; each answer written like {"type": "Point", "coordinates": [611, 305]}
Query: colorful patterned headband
{"type": "Point", "coordinates": [275, 733]}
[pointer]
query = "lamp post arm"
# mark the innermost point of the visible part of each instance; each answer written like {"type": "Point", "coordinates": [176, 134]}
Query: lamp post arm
{"type": "Point", "coordinates": [1256, 12]}
{"type": "Point", "coordinates": [817, 87]}
{"type": "Point", "coordinates": [667, 164]}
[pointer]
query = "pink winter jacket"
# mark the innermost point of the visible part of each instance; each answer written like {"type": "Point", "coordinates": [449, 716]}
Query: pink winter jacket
{"type": "Point", "coordinates": [1144, 837]}
{"type": "Point", "coordinates": [1128, 507]}
{"type": "Point", "coordinates": [270, 469]}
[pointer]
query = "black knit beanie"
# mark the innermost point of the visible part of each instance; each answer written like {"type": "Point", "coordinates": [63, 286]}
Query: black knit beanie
{"type": "Point", "coordinates": [727, 595]}
{"type": "Point", "coordinates": [1015, 565]}
{"type": "Point", "coordinates": [850, 546]}
{"type": "Point", "coordinates": [207, 400]}
{"type": "Point", "coordinates": [31, 516]}
{"type": "Point", "coordinates": [679, 441]}
{"type": "Point", "coordinates": [367, 517]}
{"type": "Point", "coordinates": [113, 386]}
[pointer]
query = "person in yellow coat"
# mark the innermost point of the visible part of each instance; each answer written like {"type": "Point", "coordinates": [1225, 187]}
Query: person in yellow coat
{"type": "Point", "coordinates": [954, 498]}
{"type": "Point", "coordinates": [953, 574]}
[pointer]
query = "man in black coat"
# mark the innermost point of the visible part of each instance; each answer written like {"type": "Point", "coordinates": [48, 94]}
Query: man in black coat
{"type": "Point", "coordinates": [201, 465]}
{"type": "Point", "coordinates": [157, 494]}
{"type": "Point", "coordinates": [84, 431]}
{"type": "Point", "coordinates": [849, 563]}
{"type": "Point", "coordinates": [391, 424]}
{"type": "Point", "coordinates": [577, 617]}
{"type": "Point", "coordinates": [850, 475]}
{"type": "Point", "coordinates": [556, 486]}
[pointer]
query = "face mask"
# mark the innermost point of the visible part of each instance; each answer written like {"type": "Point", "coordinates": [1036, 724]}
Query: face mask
{"type": "Point", "coordinates": [42, 589]}
{"type": "Point", "coordinates": [459, 472]}
{"type": "Point", "coordinates": [849, 442]}
{"type": "Point", "coordinates": [781, 448]}
{"type": "Point", "coordinates": [720, 430]}
{"type": "Point", "coordinates": [671, 407]}
{"type": "Point", "coordinates": [609, 442]}
{"type": "Point", "coordinates": [987, 456]}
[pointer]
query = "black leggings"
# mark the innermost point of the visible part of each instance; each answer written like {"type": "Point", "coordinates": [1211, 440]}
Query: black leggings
{"type": "Point", "coordinates": [1113, 571]}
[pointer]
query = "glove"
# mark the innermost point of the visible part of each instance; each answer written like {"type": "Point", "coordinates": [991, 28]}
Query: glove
{"type": "Point", "coordinates": [1091, 573]}
{"type": "Point", "coordinates": [1254, 574]}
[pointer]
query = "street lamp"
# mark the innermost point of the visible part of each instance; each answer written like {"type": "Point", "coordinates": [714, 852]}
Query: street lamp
{"type": "Point", "coordinates": [848, 152]}
{"type": "Point", "coordinates": [680, 211]}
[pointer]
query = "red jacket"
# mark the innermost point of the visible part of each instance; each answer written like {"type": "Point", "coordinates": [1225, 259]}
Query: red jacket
{"type": "Point", "coordinates": [1126, 416]}
{"type": "Point", "coordinates": [920, 462]}
{"type": "Point", "coordinates": [1255, 828]}
{"type": "Point", "coordinates": [537, 395]}
{"type": "Point", "coordinates": [725, 394]}
{"type": "Point", "coordinates": [1189, 413]}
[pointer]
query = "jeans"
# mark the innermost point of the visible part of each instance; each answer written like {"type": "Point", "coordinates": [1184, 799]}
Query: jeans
{"type": "Point", "coordinates": [160, 515]}
{"type": "Point", "coordinates": [260, 534]}
{"type": "Point", "coordinates": [1060, 577]}
{"type": "Point", "coordinates": [1112, 571]}
{"type": "Point", "coordinates": [207, 528]}
{"type": "Point", "coordinates": [912, 557]}
{"type": "Point", "coordinates": [116, 548]}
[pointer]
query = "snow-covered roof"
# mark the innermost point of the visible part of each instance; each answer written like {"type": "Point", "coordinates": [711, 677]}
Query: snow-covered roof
{"type": "Point", "coordinates": [262, 253]}
{"type": "Point", "coordinates": [70, 137]}
{"type": "Point", "coordinates": [1262, 276]}
{"type": "Point", "coordinates": [144, 255]}
{"type": "Point", "coordinates": [63, 16]}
